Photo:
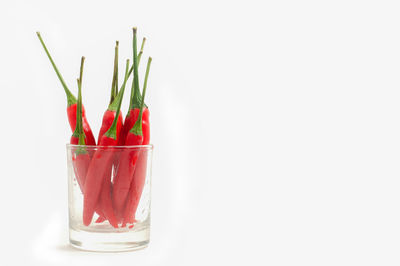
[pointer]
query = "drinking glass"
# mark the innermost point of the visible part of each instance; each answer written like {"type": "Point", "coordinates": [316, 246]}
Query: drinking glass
{"type": "Point", "coordinates": [121, 216]}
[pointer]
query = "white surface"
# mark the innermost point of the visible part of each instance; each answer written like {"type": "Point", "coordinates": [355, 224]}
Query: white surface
{"type": "Point", "coordinates": [275, 125]}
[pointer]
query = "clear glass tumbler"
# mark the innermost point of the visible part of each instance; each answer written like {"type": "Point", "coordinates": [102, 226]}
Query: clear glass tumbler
{"type": "Point", "coordinates": [109, 197]}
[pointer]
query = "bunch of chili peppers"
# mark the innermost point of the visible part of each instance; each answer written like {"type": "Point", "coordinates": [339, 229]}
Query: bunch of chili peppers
{"type": "Point", "coordinates": [114, 198]}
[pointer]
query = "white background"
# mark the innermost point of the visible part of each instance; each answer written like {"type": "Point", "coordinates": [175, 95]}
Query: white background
{"type": "Point", "coordinates": [275, 125]}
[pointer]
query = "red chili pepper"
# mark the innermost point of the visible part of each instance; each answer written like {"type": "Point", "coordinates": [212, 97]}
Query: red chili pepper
{"type": "Point", "coordinates": [72, 103]}
{"type": "Point", "coordinates": [103, 129]}
{"type": "Point", "coordinates": [136, 189]}
{"type": "Point", "coordinates": [127, 159]}
{"type": "Point", "coordinates": [136, 136]}
{"type": "Point", "coordinates": [109, 114]}
{"type": "Point", "coordinates": [75, 135]}
{"type": "Point", "coordinates": [81, 158]}
{"type": "Point", "coordinates": [138, 179]}
{"type": "Point", "coordinates": [71, 112]}
{"type": "Point", "coordinates": [102, 159]}
{"type": "Point", "coordinates": [104, 205]}
{"type": "Point", "coordinates": [108, 118]}
{"type": "Point", "coordinates": [105, 202]}
{"type": "Point", "coordinates": [134, 104]}
{"type": "Point", "coordinates": [130, 120]}
{"type": "Point", "coordinates": [139, 175]}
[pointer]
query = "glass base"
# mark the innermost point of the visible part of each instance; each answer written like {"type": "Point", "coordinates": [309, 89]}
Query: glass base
{"type": "Point", "coordinates": [111, 241]}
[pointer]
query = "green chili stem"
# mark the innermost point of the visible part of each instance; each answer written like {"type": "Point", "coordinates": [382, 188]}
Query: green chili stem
{"type": "Point", "coordinates": [114, 85]}
{"type": "Point", "coordinates": [135, 89]}
{"type": "Point", "coordinates": [81, 70]}
{"type": "Point", "coordinates": [81, 140]}
{"type": "Point", "coordinates": [137, 127]}
{"type": "Point", "coordinates": [114, 105]}
{"type": "Point", "coordinates": [139, 55]}
{"type": "Point", "coordinates": [116, 75]}
{"type": "Point", "coordinates": [70, 97]}
{"type": "Point", "coordinates": [135, 62]}
{"type": "Point", "coordinates": [79, 126]}
{"type": "Point", "coordinates": [112, 131]}
{"type": "Point", "coordinates": [132, 99]}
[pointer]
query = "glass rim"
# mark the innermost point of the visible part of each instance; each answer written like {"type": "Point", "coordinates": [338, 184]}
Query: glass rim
{"type": "Point", "coordinates": [149, 146]}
